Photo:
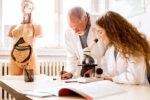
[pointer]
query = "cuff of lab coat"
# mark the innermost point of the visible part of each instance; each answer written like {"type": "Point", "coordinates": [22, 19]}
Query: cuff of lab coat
{"type": "Point", "coordinates": [115, 79]}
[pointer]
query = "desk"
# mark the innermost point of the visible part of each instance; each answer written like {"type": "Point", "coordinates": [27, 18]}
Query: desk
{"type": "Point", "coordinates": [16, 86]}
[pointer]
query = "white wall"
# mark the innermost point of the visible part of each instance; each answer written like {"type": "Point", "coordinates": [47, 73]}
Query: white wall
{"type": "Point", "coordinates": [145, 22]}
{"type": "Point", "coordinates": [142, 21]}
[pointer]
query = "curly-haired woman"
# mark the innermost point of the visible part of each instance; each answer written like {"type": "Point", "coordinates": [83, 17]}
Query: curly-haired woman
{"type": "Point", "coordinates": [126, 59]}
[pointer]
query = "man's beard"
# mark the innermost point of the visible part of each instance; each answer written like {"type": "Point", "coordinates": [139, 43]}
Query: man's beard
{"type": "Point", "coordinates": [80, 33]}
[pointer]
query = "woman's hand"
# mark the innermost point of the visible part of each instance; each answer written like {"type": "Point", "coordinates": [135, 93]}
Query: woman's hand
{"type": "Point", "coordinates": [108, 78]}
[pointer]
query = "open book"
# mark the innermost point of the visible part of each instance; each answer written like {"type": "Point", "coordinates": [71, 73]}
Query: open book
{"type": "Point", "coordinates": [89, 91]}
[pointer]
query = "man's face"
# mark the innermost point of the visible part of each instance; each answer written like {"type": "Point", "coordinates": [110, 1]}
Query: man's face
{"type": "Point", "coordinates": [77, 25]}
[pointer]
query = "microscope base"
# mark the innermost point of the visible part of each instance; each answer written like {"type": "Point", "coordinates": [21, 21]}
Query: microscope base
{"type": "Point", "coordinates": [90, 79]}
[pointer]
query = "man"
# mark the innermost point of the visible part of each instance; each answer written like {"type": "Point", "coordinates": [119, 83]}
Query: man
{"type": "Point", "coordinates": [81, 34]}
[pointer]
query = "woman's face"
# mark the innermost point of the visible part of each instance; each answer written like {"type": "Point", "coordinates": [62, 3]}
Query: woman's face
{"type": "Point", "coordinates": [102, 34]}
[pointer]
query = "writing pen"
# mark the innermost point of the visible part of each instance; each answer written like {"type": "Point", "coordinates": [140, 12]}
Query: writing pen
{"type": "Point", "coordinates": [62, 70]}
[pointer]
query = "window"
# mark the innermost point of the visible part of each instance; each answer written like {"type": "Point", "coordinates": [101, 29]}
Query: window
{"type": "Point", "coordinates": [51, 15]}
{"type": "Point", "coordinates": [127, 8]}
{"type": "Point", "coordinates": [44, 14]}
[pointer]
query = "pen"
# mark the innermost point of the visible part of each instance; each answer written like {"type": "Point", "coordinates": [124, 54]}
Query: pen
{"type": "Point", "coordinates": [62, 70]}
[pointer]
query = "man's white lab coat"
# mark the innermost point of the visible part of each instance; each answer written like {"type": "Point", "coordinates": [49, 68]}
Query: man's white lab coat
{"type": "Point", "coordinates": [75, 51]}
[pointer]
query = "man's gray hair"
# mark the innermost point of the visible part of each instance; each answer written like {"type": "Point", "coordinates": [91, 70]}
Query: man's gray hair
{"type": "Point", "coordinates": [78, 12]}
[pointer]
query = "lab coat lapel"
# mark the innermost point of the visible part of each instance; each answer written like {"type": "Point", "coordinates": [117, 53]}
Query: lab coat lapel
{"type": "Point", "coordinates": [111, 64]}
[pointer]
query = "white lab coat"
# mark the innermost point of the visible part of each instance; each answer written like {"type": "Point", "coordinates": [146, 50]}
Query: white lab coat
{"type": "Point", "coordinates": [75, 51]}
{"type": "Point", "coordinates": [132, 71]}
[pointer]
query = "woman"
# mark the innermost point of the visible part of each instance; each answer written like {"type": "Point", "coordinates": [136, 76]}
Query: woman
{"type": "Point", "coordinates": [128, 53]}
{"type": "Point", "coordinates": [23, 35]}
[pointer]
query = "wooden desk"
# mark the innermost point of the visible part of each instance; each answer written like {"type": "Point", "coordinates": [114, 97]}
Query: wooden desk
{"type": "Point", "coordinates": [14, 87]}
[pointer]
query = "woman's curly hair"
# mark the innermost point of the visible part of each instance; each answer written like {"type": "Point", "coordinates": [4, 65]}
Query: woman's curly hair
{"type": "Point", "coordinates": [124, 36]}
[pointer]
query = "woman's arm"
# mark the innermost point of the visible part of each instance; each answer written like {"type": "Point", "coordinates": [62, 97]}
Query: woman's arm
{"type": "Point", "coordinates": [135, 72]}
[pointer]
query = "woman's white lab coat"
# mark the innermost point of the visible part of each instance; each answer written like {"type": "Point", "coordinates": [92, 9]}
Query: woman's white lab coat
{"type": "Point", "coordinates": [131, 71]}
{"type": "Point", "coordinates": [75, 51]}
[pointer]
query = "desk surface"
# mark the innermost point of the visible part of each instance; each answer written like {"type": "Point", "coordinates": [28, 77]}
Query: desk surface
{"type": "Point", "coordinates": [15, 86]}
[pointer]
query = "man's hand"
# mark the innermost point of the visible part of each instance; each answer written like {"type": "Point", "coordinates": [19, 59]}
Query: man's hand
{"type": "Point", "coordinates": [65, 75]}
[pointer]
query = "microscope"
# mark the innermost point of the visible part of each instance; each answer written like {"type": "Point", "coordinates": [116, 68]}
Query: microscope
{"type": "Point", "coordinates": [88, 63]}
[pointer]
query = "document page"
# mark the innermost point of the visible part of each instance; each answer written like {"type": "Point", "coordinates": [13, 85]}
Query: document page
{"type": "Point", "coordinates": [99, 89]}
{"type": "Point", "coordinates": [42, 92]}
